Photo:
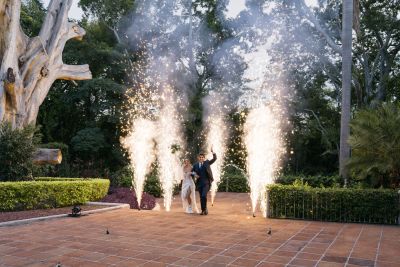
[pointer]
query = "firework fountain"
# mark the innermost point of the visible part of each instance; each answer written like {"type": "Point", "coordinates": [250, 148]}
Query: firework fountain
{"type": "Point", "coordinates": [263, 102]}
{"type": "Point", "coordinates": [159, 87]}
{"type": "Point", "coordinates": [140, 144]}
{"type": "Point", "coordinates": [263, 135]}
{"type": "Point", "coordinates": [264, 147]}
{"type": "Point", "coordinates": [156, 132]}
{"type": "Point", "coordinates": [217, 135]}
{"type": "Point", "coordinates": [156, 135]}
{"type": "Point", "coordinates": [168, 142]}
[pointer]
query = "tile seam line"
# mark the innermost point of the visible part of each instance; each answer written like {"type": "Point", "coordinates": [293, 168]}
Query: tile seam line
{"type": "Point", "coordinates": [333, 241]}
{"type": "Point", "coordinates": [299, 231]}
{"type": "Point", "coordinates": [220, 253]}
{"type": "Point", "coordinates": [378, 248]}
{"type": "Point", "coordinates": [355, 242]}
{"type": "Point", "coordinates": [304, 247]}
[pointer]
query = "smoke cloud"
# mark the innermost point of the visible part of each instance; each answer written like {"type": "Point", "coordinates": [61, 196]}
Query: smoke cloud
{"type": "Point", "coordinates": [178, 54]}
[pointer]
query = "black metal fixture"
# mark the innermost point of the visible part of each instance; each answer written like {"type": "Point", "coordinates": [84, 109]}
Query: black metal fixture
{"type": "Point", "coordinates": [76, 211]}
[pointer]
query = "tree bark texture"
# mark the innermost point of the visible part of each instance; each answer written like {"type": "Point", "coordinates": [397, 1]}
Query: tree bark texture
{"type": "Point", "coordinates": [346, 87]}
{"type": "Point", "coordinates": [29, 66]}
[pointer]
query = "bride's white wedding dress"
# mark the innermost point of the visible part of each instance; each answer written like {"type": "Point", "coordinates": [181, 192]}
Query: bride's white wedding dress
{"type": "Point", "coordinates": [188, 187]}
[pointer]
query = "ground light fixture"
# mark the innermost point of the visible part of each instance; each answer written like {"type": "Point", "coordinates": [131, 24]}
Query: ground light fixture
{"type": "Point", "coordinates": [76, 211]}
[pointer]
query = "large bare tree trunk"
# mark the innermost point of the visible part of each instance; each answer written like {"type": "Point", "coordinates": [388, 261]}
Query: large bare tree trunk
{"type": "Point", "coordinates": [29, 66]}
{"type": "Point", "coordinates": [346, 87]}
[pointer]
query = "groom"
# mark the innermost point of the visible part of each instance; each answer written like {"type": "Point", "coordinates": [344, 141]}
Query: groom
{"type": "Point", "coordinates": [205, 177]}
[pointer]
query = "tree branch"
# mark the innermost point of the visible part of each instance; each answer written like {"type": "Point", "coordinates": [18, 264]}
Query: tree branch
{"type": "Point", "coordinates": [327, 36]}
{"type": "Point", "coordinates": [57, 13]}
{"type": "Point", "coordinates": [322, 129]}
{"type": "Point", "coordinates": [30, 57]}
{"type": "Point", "coordinates": [74, 72]}
{"type": "Point", "coordinates": [75, 31]}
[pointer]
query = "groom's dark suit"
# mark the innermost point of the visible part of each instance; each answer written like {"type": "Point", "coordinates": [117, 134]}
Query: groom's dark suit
{"type": "Point", "coordinates": [205, 179]}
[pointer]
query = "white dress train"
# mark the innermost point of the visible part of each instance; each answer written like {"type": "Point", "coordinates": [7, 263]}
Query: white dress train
{"type": "Point", "coordinates": [188, 187]}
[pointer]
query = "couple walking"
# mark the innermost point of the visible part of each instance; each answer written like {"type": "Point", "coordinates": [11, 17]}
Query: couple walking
{"type": "Point", "coordinates": [201, 172]}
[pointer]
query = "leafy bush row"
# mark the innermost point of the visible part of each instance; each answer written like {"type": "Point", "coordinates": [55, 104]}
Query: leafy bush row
{"type": "Point", "coordinates": [50, 193]}
{"type": "Point", "coordinates": [334, 204]}
{"type": "Point", "coordinates": [311, 180]}
{"type": "Point", "coordinates": [237, 182]}
{"type": "Point", "coordinates": [60, 179]}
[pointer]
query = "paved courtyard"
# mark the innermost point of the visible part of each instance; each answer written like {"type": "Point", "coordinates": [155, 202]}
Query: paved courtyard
{"type": "Point", "coordinates": [228, 236]}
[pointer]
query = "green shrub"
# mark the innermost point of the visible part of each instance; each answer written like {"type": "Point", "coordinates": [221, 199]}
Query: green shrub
{"type": "Point", "coordinates": [375, 146]}
{"type": "Point", "coordinates": [231, 182]}
{"type": "Point", "coordinates": [17, 147]}
{"type": "Point", "coordinates": [53, 179]}
{"type": "Point", "coordinates": [233, 179]}
{"type": "Point", "coordinates": [88, 142]}
{"type": "Point", "coordinates": [50, 192]}
{"type": "Point", "coordinates": [122, 177]}
{"type": "Point", "coordinates": [313, 181]}
{"type": "Point", "coordinates": [333, 204]}
{"type": "Point", "coordinates": [153, 186]}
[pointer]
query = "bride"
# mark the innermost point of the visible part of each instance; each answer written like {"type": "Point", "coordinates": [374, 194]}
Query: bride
{"type": "Point", "coordinates": [188, 193]}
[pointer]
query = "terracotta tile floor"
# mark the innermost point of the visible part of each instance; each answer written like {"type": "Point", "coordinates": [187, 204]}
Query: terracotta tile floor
{"type": "Point", "coordinates": [228, 236]}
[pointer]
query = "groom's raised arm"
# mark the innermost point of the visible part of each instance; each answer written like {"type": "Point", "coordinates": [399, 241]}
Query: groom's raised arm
{"type": "Point", "coordinates": [214, 158]}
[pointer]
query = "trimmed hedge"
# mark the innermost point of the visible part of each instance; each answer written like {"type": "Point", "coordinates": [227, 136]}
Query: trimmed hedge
{"type": "Point", "coordinates": [334, 204]}
{"type": "Point", "coordinates": [311, 180]}
{"type": "Point", "coordinates": [50, 193]}
{"type": "Point", "coordinates": [53, 179]}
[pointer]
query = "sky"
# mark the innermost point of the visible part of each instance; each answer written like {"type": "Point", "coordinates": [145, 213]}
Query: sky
{"type": "Point", "coordinates": [234, 7]}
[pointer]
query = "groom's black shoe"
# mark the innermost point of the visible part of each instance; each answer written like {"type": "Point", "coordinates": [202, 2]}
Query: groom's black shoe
{"type": "Point", "coordinates": [202, 212]}
{"type": "Point", "coordinates": [206, 212]}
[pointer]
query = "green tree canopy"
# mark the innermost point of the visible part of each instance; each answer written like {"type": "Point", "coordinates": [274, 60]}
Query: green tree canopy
{"type": "Point", "coordinates": [17, 147]}
{"type": "Point", "coordinates": [375, 143]}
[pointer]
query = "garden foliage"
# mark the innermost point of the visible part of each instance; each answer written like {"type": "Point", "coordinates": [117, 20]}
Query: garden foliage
{"type": "Point", "coordinates": [153, 186]}
{"type": "Point", "coordinates": [334, 204]}
{"type": "Point", "coordinates": [74, 111]}
{"type": "Point", "coordinates": [122, 177]}
{"type": "Point", "coordinates": [375, 143]}
{"type": "Point", "coordinates": [233, 182]}
{"type": "Point", "coordinates": [17, 147]}
{"type": "Point", "coordinates": [50, 193]}
{"type": "Point", "coordinates": [311, 180]}
{"type": "Point", "coordinates": [237, 182]}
